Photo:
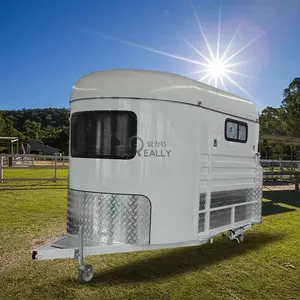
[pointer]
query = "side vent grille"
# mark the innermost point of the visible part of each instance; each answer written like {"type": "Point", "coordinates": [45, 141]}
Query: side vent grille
{"type": "Point", "coordinates": [243, 212]}
{"type": "Point", "coordinates": [201, 222]}
{"type": "Point", "coordinates": [201, 218]}
{"type": "Point", "coordinates": [220, 218]}
{"type": "Point", "coordinates": [202, 201]}
{"type": "Point", "coordinates": [223, 198]}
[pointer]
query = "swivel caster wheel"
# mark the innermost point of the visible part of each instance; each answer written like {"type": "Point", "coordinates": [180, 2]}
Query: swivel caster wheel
{"type": "Point", "coordinates": [85, 273]}
{"type": "Point", "coordinates": [240, 238]}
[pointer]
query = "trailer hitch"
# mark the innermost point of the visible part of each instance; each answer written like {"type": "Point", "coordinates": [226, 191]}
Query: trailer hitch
{"type": "Point", "coordinates": [237, 233]}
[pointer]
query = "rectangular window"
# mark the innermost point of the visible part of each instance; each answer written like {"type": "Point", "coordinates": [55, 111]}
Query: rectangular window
{"type": "Point", "coordinates": [236, 131]}
{"type": "Point", "coordinates": [231, 130]}
{"type": "Point", "coordinates": [103, 134]}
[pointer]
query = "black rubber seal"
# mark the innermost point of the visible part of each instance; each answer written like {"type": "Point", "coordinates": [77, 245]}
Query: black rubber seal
{"type": "Point", "coordinates": [34, 254]}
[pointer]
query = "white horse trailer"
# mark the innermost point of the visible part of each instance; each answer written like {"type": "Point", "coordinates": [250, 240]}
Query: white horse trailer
{"type": "Point", "coordinates": [157, 160]}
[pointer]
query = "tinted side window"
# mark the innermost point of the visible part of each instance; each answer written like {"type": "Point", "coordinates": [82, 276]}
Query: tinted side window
{"type": "Point", "coordinates": [103, 134]}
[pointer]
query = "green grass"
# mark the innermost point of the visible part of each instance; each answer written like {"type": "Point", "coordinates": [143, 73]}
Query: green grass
{"type": "Point", "coordinates": [38, 172]}
{"type": "Point", "coordinates": [34, 213]}
{"type": "Point", "coordinates": [283, 169]}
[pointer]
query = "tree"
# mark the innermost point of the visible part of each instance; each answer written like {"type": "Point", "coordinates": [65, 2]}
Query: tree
{"type": "Point", "coordinates": [2, 125]}
{"type": "Point", "coordinates": [49, 133]}
{"type": "Point", "coordinates": [284, 120]}
{"type": "Point", "coordinates": [291, 108]}
{"type": "Point", "coordinates": [32, 129]}
{"type": "Point", "coordinates": [54, 117]}
{"type": "Point", "coordinates": [9, 129]}
{"type": "Point", "coordinates": [271, 121]}
{"type": "Point", "coordinates": [63, 140]}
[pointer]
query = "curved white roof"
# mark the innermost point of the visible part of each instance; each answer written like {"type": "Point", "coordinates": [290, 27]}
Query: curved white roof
{"type": "Point", "coordinates": [160, 86]}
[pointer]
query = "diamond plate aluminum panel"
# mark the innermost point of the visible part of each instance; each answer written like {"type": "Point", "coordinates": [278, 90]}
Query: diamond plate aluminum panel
{"type": "Point", "coordinates": [244, 212]}
{"type": "Point", "coordinates": [202, 200]}
{"type": "Point", "coordinates": [256, 195]}
{"type": "Point", "coordinates": [220, 218]}
{"type": "Point", "coordinates": [223, 198]}
{"type": "Point", "coordinates": [109, 218]}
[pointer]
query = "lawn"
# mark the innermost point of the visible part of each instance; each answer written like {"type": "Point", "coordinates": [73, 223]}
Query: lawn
{"type": "Point", "coordinates": [265, 266]}
{"type": "Point", "coordinates": [277, 169]}
{"type": "Point", "coordinates": [37, 172]}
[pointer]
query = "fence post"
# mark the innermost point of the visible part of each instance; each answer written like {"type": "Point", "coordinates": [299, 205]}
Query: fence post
{"type": "Point", "coordinates": [10, 161]}
{"type": "Point", "coordinates": [55, 167]}
{"type": "Point", "coordinates": [296, 182]}
{"type": "Point", "coordinates": [1, 168]}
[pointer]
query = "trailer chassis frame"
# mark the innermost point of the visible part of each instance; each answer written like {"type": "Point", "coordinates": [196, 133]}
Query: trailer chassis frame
{"type": "Point", "coordinates": [76, 247]}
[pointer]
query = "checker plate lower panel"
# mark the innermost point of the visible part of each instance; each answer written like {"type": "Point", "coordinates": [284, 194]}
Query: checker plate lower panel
{"type": "Point", "coordinates": [109, 218]}
{"type": "Point", "coordinates": [257, 193]}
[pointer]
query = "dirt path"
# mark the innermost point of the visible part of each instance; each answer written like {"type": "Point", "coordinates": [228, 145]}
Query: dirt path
{"type": "Point", "coordinates": [288, 187]}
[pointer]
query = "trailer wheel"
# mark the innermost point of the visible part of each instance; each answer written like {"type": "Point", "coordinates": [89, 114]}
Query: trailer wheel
{"type": "Point", "coordinates": [85, 273]}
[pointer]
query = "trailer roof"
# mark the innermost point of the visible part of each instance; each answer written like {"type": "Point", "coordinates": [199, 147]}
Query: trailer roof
{"type": "Point", "coordinates": [155, 85]}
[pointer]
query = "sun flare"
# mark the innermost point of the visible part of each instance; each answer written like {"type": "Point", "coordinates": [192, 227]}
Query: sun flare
{"type": "Point", "coordinates": [216, 68]}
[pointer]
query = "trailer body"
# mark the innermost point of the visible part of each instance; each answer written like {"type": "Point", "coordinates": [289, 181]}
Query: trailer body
{"type": "Point", "coordinates": [157, 160]}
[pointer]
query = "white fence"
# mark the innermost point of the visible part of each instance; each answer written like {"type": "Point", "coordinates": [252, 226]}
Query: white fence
{"type": "Point", "coordinates": [281, 171]}
{"type": "Point", "coordinates": [281, 164]}
{"type": "Point", "coordinates": [32, 161]}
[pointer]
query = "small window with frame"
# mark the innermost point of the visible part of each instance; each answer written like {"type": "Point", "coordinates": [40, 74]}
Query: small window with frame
{"type": "Point", "coordinates": [236, 131]}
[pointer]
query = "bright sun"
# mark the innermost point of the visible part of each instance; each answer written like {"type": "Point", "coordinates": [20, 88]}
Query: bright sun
{"type": "Point", "coordinates": [217, 69]}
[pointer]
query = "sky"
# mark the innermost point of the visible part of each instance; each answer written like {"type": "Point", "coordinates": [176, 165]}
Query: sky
{"type": "Point", "coordinates": [46, 46]}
